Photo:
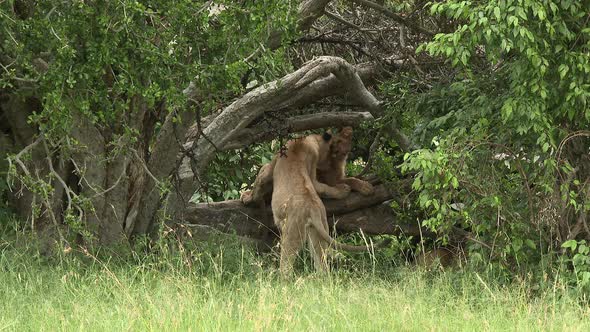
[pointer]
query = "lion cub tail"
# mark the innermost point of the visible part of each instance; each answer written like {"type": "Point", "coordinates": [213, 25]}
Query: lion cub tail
{"type": "Point", "coordinates": [315, 223]}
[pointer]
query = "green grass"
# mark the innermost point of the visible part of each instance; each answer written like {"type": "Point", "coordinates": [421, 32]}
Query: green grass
{"type": "Point", "coordinates": [239, 291]}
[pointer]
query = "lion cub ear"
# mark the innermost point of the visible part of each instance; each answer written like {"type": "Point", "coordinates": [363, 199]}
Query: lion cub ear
{"type": "Point", "coordinates": [327, 136]}
{"type": "Point", "coordinates": [345, 132]}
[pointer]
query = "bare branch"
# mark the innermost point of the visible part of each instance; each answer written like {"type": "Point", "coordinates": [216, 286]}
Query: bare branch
{"type": "Point", "coordinates": [320, 77]}
{"type": "Point", "coordinates": [19, 155]}
{"type": "Point", "coordinates": [69, 193]}
{"type": "Point", "coordinates": [328, 40]}
{"type": "Point", "coordinates": [397, 18]}
{"type": "Point", "coordinates": [343, 21]}
{"type": "Point", "coordinates": [371, 214]}
{"type": "Point", "coordinates": [372, 150]}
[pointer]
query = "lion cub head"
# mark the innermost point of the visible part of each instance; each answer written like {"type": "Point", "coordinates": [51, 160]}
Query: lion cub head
{"type": "Point", "coordinates": [341, 144]}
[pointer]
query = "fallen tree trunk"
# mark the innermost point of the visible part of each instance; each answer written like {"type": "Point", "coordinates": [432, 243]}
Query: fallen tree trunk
{"type": "Point", "coordinates": [371, 214]}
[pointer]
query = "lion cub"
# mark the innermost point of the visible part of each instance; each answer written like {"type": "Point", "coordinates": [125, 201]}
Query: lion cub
{"type": "Point", "coordinates": [331, 171]}
{"type": "Point", "coordinates": [298, 211]}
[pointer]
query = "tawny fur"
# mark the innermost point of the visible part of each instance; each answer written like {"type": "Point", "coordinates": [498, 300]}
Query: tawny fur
{"type": "Point", "coordinates": [297, 208]}
{"type": "Point", "coordinates": [331, 171]}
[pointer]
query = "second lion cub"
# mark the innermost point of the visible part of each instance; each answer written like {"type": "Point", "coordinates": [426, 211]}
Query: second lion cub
{"type": "Point", "coordinates": [331, 170]}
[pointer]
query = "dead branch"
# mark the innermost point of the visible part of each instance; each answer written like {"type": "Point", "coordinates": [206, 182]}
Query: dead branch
{"type": "Point", "coordinates": [310, 11]}
{"type": "Point", "coordinates": [17, 158]}
{"type": "Point", "coordinates": [343, 21]}
{"type": "Point", "coordinates": [281, 94]}
{"type": "Point", "coordinates": [372, 150]}
{"type": "Point", "coordinates": [397, 18]}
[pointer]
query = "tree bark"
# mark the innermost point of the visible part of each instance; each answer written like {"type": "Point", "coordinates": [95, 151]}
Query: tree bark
{"type": "Point", "coordinates": [162, 164]}
{"type": "Point", "coordinates": [91, 167]}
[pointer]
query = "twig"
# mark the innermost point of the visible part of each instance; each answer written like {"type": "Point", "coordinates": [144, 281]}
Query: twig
{"type": "Point", "coordinates": [582, 133]}
{"type": "Point", "coordinates": [402, 41]}
{"type": "Point", "coordinates": [486, 286]}
{"type": "Point", "coordinates": [329, 40]}
{"type": "Point", "coordinates": [57, 176]}
{"type": "Point", "coordinates": [46, 203]}
{"type": "Point", "coordinates": [372, 150]}
{"type": "Point", "coordinates": [397, 18]}
{"type": "Point", "coordinates": [143, 164]}
{"type": "Point", "coordinates": [343, 21]}
{"type": "Point", "coordinates": [200, 129]}
{"type": "Point", "coordinates": [261, 223]}
{"type": "Point", "coordinates": [22, 152]}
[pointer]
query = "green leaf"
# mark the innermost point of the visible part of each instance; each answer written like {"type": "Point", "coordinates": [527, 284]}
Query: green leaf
{"type": "Point", "coordinates": [455, 183]}
{"type": "Point", "coordinates": [497, 13]}
{"type": "Point", "coordinates": [563, 69]}
{"type": "Point", "coordinates": [571, 244]}
{"type": "Point", "coordinates": [417, 185]}
{"type": "Point", "coordinates": [530, 243]}
{"type": "Point", "coordinates": [464, 58]}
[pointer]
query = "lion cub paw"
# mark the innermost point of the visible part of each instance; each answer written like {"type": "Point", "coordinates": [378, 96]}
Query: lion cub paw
{"type": "Point", "coordinates": [343, 190]}
{"type": "Point", "coordinates": [246, 197]}
{"type": "Point", "coordinates": [366, 189]}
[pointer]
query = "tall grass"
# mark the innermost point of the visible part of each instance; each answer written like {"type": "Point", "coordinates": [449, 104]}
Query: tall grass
{"type": "Point", "coordinates": [236, 290]}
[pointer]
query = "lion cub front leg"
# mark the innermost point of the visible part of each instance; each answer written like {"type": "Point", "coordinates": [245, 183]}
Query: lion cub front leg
{"type": "Point", "coordinates": [363, 187]}
{"type": "Point", "coordinates": [340, 191]}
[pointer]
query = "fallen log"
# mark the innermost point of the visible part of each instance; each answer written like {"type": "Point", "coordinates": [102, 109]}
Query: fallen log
{"type": "Point", "coordinates": [371, 214]}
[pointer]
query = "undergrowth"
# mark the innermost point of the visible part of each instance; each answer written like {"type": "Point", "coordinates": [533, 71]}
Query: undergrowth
{"type": "Point", "coordinates": [220, 285]}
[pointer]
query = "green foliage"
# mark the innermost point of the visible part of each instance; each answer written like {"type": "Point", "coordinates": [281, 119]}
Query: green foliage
{"type": "Point", "coordinates": [101, 53]}
{"type": "Point", "coordinates": [580, 259]}
{"type": "Point", "coordinates": [232, 171]}
{"type": "Point", "coordinates": [106, 62]}
{"type": "Point", "coordinates": [436, 183]}
{"type": "Point", "coordinates": [541, 46]}
{"type": "Point", "coordinates": [490, 129]}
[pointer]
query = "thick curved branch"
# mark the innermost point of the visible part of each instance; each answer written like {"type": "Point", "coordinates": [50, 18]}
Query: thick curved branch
{"type": "Point", "coordinates": [324, 73]}
{"type": "Point", "coordinates": [264, 132]}
{"type": "Point", "coordinates": [369, 72]}
{"type": "Point", "coordinates": [321, 77]}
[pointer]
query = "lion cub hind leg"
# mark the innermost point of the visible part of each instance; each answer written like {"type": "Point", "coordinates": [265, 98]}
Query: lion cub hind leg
{"type": "Point", "coordinates": [292, 240]}
{"type": "Point", "coordinates": [317, 247]}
